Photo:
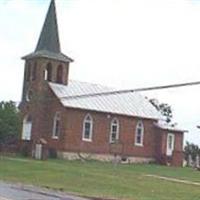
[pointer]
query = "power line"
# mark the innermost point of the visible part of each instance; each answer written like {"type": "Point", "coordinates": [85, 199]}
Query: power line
{"type": "Point", "coordinates": [143, 89]}
{"type": "Point", "coordinates": [132, 90]}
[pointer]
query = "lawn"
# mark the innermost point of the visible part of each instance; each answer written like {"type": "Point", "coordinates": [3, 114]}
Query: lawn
{"type": "Point", "coordinates": [96, 179]}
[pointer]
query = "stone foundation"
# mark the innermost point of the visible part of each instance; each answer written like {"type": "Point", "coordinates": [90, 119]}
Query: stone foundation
{"type": "Point", "coordinates": [103, 157]}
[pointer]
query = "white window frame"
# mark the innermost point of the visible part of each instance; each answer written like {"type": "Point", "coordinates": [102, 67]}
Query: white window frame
{"type": "Point", "coordinates": [27, 128]}
{"type": "Point", "coordinates": [91, 128]}
{"type": "Point", "coordinates": [55, 119]}
{"type": "Point", "coordinates": [169, 151]}
{"type": "Point", "coordinates": [29, 95]}
{"type": "Point", "coordinates": [45, 74]}
{"type": "Point", "coordinates": [140, 126]}
{"type": "Point", "coordinates": [114, 122]}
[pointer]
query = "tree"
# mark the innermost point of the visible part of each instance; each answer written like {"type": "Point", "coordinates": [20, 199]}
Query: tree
{"type": "Point", "coordinates": [163, 108]}
{"type": "Point", "coordinates": [9, 122]}
{"type": "Point", "coordinates": [191, 149]}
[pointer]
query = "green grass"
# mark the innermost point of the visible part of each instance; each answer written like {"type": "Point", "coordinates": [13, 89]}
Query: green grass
{"type": "Point", "coordinates": [98, 179]}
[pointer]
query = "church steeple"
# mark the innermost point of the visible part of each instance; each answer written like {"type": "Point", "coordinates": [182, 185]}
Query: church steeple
{"type": "Point", "coordinates": [47, 63]}
{"type": "Point", "coordinates": [49, 37]}
{"type": "Point", "coordinates": [48, 45]}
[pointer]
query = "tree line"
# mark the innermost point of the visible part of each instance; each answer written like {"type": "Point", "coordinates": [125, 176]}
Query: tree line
{"type": "Point", "coordinates": [10, 125]}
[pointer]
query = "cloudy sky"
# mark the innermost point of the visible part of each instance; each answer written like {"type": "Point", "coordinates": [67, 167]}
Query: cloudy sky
{"type": "Point", "coordinates": [120, 43]}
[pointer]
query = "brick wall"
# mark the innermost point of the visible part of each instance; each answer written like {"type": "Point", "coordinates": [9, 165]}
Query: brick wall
{"type": "Point", "coordinates": [177, 156]}
{"type": "Point", "coordinates": [45, 104]}
{"type": "Point", "coordinates": [72, 129]}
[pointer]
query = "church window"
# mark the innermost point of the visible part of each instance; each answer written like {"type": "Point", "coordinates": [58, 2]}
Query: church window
{"type": "Point", "coordinates": [56, 125]}
{"type": "Point", "coordinates": [27, 128]}
{"type": "Point", "coordinates": [29, 95]}
{"type": "Point", "coordinates": [45, 74]}
{"type": "Point", "coordinates": [87, 128]}
{"type": "Point", "coordinates": [28, 72]}
{"type": "Point", "coordinates": [114, 131]}
{"type": "Point", "coordinates": [60, 74]}
{"type": "Point", "coordinates": [48, 72]}
{"type": "Point", "coordinates": [34, 71]}
{"type": "Point", "coordinates": [139, 134]}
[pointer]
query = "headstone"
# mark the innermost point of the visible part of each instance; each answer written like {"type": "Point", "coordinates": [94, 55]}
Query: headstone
{"type": "Point", "coordinates": [190, 161]}
{"type": "Point", "coordinates": [197, 161]}
{"type": "Point", "coordinates": [38, 151]}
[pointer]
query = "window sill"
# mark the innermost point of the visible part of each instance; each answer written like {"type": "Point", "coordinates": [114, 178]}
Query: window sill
{"type": "Point", "coordinates": [55, 137]}
{"type": "Point", "coordinates": [113, 142]}
{"type": "Point", "coordinates": [87, 140]}
{"type": "Point", "coordinates": [139, 145]}
{"type": "Point", "coordinates": [25, 139]}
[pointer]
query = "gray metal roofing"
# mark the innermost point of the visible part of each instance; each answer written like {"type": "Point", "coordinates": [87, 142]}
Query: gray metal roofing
{"type": "Point", "coordinates": [48, 54]}
{"type": "Point", "coordinates": [48, 45]}
{"type": "Point", "coordinates": [131, 104]}
{"type": "Point", "coordinates": [49, 37]}
{"type": "Point", "coordinates": [169, 127]}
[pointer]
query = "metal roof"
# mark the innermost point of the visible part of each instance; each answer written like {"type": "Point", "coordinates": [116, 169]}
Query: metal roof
{"type": "Point", "coordinates": [169, 127]}
{"type": "Point", "coordinates": [131, 104]}
{"type": "Point", "coordinates": [48, 54]}
{"type": "Point", "coordinates": [49, 38]}
{"type": "Point", "coordinates": [48, 45]}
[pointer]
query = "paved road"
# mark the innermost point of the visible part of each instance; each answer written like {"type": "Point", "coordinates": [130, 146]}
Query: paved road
{"type": "Point", "coordinates": [21, 192]}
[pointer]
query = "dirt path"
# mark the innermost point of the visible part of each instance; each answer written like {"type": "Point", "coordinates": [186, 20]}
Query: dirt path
{"type": "Point", "coordinates": [174, 180]}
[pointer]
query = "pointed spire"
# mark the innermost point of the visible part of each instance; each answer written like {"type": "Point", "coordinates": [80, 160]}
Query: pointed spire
{"type": "Point", "coordinates": [49, 37]}
{"type": "Point", "coordinates": [48, 45]}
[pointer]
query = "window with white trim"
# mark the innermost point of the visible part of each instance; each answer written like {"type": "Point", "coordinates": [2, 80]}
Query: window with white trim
{"type": "Point", "coordinates": [48, 72]}
{"type": "Point", "coordinates": [34, 72]}
{"type": "Point", "coordinates": [139, 134]}
{"type": "Point", "coordinates": [29, 95]}
{"type": "Point", "coordinates": [114, 131]}
{"type": "Point", "coordinates": [170, 143]}
{"type": "Point", "coordinates": [87, 128]}
{"type": "Point", "coordinates": [27, 128]}
{"type": "Point", "coordinates": [56, 125]}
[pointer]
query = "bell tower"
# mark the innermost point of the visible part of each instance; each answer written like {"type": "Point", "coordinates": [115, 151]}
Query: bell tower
{"type": "Point", "coordinates": [47, 63]}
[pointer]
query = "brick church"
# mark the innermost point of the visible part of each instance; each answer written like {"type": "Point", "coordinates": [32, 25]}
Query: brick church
{"type": "Point", "coordinates": [84, 120]}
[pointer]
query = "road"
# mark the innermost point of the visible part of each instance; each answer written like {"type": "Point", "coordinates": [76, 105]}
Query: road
{"type": "Point", "coordinates": [21, 192]}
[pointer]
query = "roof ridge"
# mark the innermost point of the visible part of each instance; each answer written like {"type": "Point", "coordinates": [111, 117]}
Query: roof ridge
{"type": "Point", "coordinates": [113, 91]}
{"type": "Point", "coordinates": [97, 84]}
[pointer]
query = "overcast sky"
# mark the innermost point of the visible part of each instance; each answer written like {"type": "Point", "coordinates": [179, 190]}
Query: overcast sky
{"type": "Point", "coordinates": [119, 43]}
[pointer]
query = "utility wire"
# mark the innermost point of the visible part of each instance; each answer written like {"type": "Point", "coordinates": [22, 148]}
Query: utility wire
{"type": "Point", "coordinates": [132, 90]}
{"type": "Point", "coordinates": [48, 98]}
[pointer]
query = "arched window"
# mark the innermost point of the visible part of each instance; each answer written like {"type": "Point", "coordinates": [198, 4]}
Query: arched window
{"type": "Point", "coordinates": [56, 125]}
{"type": "Point", "coordinates": [139, 134]}
{"type": "Point", "coordinates": [28, 72]}
{"type": "Point", "coordinates": [34, 71]}
{"type": "Point", "coordinates": [48, 72]}
{"type": "Point", "coordinates": [27, 128]}
{"type": "Point", "coordinates": [29, 95]}
{"type": "Point", "coordinates": [60, 74]}
{"type": "Point", "coordinates": [114, 131]}
{"type": "Point", "coordinates": [87, 128]}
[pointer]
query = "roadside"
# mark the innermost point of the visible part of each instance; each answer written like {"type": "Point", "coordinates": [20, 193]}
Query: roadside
{"type": "Point", "coordinates": [98, 180]}
{"type": "Point", "coordinates": [18, 191]}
